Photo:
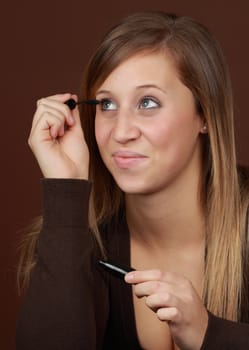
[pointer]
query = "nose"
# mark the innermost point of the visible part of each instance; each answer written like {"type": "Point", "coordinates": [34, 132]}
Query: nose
{"type": "Point", "coordinates": [126, 127]}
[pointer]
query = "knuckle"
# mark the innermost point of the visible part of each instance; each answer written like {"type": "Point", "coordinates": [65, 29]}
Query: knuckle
{"type": "Point", "coordinates": [165, 298]}
{"type": "Point", "coordinates": [155, 287]}
{"type": "Point", "coordinates": [159, 274]}
{"type": "Point", "coordinates": [148, 301]}
{"type": "Point", "coordinates": [29, 142]}
{"type": "Point", "coordinates": [40, 101]}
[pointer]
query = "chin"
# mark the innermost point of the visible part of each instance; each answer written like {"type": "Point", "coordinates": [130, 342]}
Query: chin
{"type": "Point", "coordinates": [133, 186]}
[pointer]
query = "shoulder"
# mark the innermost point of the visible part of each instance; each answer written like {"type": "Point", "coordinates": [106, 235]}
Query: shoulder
{"type": "Point", "coordinates": [225, 334]}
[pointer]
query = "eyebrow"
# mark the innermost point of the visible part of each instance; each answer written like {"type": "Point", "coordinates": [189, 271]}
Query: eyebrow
{"type": "Point", "coordinates": [103, 92]}
{"type": "Point", "coordinates": [151, 86]}
{"type": "Point", "coordinates": [137, 88]}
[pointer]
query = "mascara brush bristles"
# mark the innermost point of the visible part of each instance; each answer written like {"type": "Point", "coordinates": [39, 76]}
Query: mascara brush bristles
{"type": "Point", "coordinates": [71, 103]}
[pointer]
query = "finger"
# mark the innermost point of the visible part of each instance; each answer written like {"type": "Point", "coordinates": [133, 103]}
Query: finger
{"type": "Point", "coordinates": [62, 98]}
{"type": "Point", "coordinates": [161, 300]}
{"type": "Point", "coordinates": [57, 97]}
{"type": "Point", "coordinates": [46, 110]}
{"type": "Point", "coordinates": [72, 116]}
{"type": "Point", "coordinates": [47, 127]}
{"type": "Point", "coordinates": [57, 132]}
{"type": "Point", "coordinates": [135, 277]}
{"type": "Point", "coordinates": [151, 287]}
{"type": "Point", "coordinates": [169, 314]}
{"type": "Point", "coordinates": [55, 106]}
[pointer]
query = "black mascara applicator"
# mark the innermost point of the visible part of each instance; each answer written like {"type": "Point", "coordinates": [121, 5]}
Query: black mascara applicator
{"type": "Point", "coordinates": [71, 103]}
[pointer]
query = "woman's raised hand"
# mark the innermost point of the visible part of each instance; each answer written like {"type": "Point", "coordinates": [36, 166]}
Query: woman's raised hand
{"type": "Point", "coordinates": [175, 301]}
{"type": "Point", "coordinates": [57, 139]}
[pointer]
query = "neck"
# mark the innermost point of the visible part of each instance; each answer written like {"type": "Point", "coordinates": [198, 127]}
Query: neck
{"type": "Point", "coordinates": [171, 218]}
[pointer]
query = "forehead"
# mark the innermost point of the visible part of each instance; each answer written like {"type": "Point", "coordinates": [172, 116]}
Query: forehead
{"type": "Point", "coordinates": [143, 68]}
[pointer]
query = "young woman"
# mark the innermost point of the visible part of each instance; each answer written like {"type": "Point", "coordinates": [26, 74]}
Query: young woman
{"type": "Point", "coordinates": [151, 181]}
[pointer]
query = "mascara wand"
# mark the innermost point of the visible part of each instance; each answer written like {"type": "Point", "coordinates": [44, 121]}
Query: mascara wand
{"type": "Point", "coordinates": [71, 103]}
{"type": "Point", "coordinates": [117, 270]}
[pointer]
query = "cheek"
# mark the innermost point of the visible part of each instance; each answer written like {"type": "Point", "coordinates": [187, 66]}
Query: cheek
{"type": "Point", "coordinates": [163, 132]}
{"type": "Point", "coordinates": [176, 135]}
{"type": "Point", "coordinates": [101, 133]}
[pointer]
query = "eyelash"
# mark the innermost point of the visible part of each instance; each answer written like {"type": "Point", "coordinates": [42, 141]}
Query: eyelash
{"type": "Point", "coordinates": [103, 101]}
{"type": "Point", "coordinates": [148, 98]}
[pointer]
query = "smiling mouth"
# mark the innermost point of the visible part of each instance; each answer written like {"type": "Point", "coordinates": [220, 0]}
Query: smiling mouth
{"type": "Point", "coordinates": [126, 160]}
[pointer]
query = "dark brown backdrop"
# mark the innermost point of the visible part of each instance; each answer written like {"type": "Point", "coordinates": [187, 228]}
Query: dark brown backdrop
{"type": "Point", "coordinates": [44, 47]}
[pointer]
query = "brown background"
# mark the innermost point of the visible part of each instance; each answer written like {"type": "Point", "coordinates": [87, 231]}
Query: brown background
{"type": "Point", "coordinates": [44, 47]}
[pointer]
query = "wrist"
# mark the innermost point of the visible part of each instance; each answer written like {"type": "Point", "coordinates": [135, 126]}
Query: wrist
{"type": "Point", "coordinates": [65, 201]}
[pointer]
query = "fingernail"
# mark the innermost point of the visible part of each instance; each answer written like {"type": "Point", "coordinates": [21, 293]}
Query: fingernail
{"type": "Point", "coordinates": [129, 277]}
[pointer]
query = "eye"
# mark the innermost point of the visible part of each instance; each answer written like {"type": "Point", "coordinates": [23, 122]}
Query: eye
{"type": "Point", "coordinates": [108, 105]}
{"type": "Point", "coordinates": [149, 103]}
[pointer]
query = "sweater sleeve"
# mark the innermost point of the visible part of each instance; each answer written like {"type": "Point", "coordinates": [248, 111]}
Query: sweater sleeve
{"type": "Point", "coordinates": [59, 310]}
{"type": "Point", "coordinates": [224, 334]}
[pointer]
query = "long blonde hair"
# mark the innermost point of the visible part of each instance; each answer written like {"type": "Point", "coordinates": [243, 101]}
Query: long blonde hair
{"type": "Point", "coordinates": [203, 70]}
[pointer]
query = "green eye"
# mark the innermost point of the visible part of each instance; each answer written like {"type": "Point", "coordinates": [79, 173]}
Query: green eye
{"type": "Point", "coordinates": [107, 105]}
{"type": "Point", "coordinates": [149, 103]}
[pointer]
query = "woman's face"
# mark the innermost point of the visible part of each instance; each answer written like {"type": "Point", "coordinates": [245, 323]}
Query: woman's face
{"type": "Point", "coordinates": [147, 127]}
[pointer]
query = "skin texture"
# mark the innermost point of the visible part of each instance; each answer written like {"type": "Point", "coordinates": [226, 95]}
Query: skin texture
{"type": "Point", "coordinates": [148, 133]}
{"type": "Point", "coordinates": [140, 142]}
{"type": "Point", "coordinates": [60, 152]}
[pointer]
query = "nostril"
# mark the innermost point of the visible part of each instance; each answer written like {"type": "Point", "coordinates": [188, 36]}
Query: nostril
{"type": "Point", "coordinates": [125, 134]}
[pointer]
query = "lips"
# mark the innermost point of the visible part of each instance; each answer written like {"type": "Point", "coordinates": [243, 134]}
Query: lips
{"type": "Point", "coordinates": [128, 159]}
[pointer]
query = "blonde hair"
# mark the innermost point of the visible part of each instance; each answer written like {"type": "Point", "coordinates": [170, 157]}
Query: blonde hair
{"type": "Point", "coordinates": [203, 70]}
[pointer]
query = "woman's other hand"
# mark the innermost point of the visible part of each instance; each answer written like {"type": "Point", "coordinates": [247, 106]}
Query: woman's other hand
{"type": "Point", "coordinates": [175, 301]}
{"type": "Point", "coordinates": [57, 139]}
